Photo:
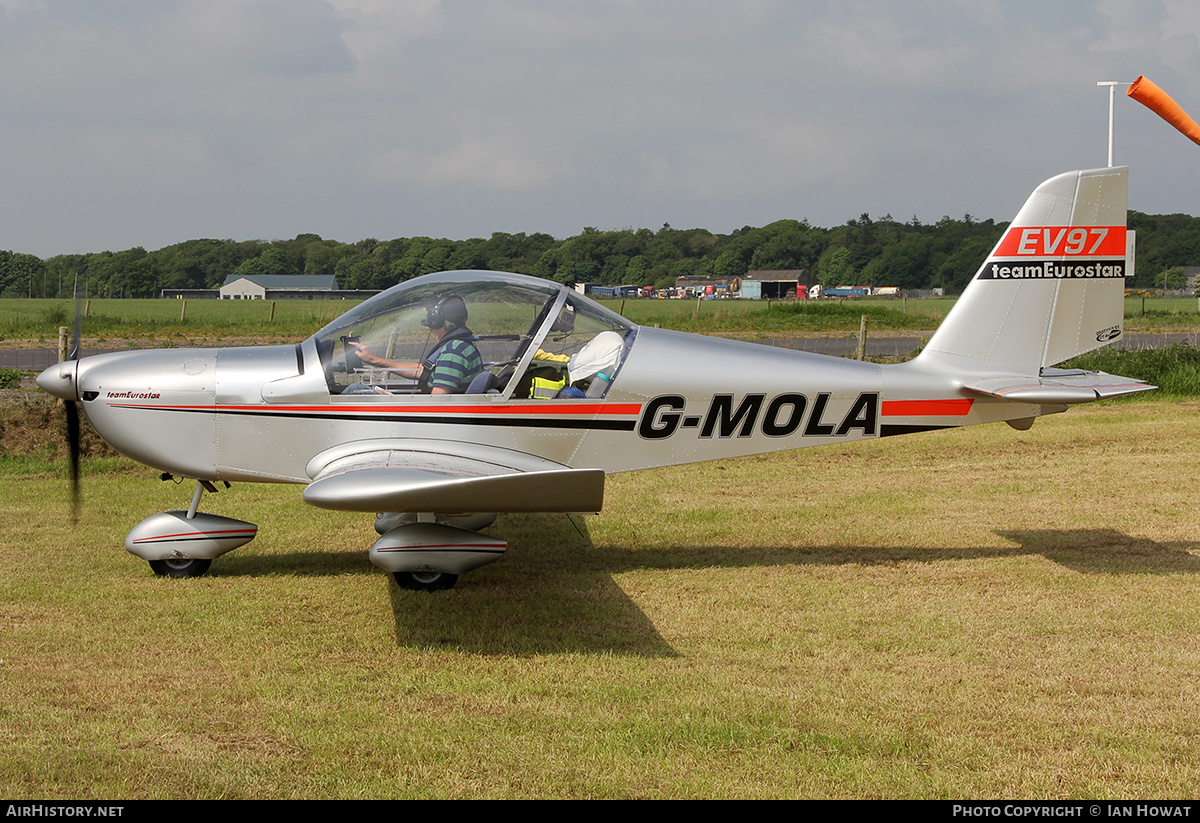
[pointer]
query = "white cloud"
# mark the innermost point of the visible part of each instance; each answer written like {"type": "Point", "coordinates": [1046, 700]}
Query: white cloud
{"type": "Point", "coordinates": [342, 115]}
{"type": "Point", "coordinates": [12, 8]}
{"type": "Point", "coordinates": [375, 28]}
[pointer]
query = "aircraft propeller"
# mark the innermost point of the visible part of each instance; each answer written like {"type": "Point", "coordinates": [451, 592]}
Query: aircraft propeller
{"type": "Point", "coordinates": [71, 407]}
{"type": "Point", "coordinates": [61, 381]}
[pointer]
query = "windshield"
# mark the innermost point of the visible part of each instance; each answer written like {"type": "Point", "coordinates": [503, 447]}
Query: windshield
{"type": "Point", "coordinates": [474, 332]}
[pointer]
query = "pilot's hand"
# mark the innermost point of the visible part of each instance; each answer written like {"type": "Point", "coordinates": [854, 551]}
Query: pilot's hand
{"type": "Point", "coordinates": [364, 353]}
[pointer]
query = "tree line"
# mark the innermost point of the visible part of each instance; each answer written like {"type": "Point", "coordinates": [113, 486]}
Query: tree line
{"type": "Point", "coordinates": [864, 251]}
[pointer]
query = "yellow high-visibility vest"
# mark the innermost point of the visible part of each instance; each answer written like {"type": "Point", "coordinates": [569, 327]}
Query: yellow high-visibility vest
{"type": "Point", "coordinates": [546, 389]}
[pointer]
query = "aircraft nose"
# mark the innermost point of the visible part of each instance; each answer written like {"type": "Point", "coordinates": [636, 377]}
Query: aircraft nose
{"type": "Point", "coordinates": [59, 380]}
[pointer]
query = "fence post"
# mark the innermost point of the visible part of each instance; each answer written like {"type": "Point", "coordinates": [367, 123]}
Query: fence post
{"type": "Point", "coordinates": [862, 339]}
{"type": "Point", "coordinates": [62, 343]}
{"type": "Point", "coordinates": [183, 311]}
{"type": "Point", "coordinates": [272, 320]}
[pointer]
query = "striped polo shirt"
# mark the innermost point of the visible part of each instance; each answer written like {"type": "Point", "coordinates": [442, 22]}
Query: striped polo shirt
{"type": "Point", "coordinates": [455, 364]}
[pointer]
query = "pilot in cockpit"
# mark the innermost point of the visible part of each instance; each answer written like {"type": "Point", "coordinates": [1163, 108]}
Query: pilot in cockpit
{"type": "Point", "coordinates": [452, 363]}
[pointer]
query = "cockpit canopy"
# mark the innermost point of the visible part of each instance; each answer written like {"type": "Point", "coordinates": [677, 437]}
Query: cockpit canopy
{"type": "Point", "coordinates": [531, 334]}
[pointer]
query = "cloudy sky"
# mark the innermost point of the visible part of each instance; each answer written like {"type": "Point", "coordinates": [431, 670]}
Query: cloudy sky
{"type": "Point", "coordinates": [147, 122]}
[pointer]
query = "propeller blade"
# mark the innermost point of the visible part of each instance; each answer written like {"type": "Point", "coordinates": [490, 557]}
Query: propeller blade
{"type": "Point", "coordinates": [76, 331]}
{"type": "Point", "coordinates": [72, 410]}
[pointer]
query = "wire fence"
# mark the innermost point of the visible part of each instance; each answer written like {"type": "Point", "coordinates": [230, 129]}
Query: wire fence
{"type": "Point", "coordinates": [37, 359]}
{"type": "Point", "coordinates": [880, 346]}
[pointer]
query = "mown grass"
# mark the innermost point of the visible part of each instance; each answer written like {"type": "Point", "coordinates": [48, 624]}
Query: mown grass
{"type": "Point", "coordinates": [968, 614]}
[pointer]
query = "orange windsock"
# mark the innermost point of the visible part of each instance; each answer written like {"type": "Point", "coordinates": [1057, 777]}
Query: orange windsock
{"type": "Point", "coordinates": [1159, 102]}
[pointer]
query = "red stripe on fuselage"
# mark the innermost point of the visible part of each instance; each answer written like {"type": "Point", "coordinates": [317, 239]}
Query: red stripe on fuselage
{"type": "Point", "coordinates": [927, 408]}
{"type": "Point", "coordinates": [891, 408]}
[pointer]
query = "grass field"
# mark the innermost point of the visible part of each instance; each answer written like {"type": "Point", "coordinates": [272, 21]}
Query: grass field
{"type": "Point", "coordinates": [159, 320]}
{"type": "Point", "coordinates": [962, 614]}
{"type": "Point", "coordinates": [158, 323]}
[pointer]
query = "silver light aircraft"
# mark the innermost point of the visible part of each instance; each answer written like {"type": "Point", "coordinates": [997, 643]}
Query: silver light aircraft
{"type": "Point", "coordinates": [547, 392]}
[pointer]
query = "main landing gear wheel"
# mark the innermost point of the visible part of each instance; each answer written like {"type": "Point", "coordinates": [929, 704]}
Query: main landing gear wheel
{"type": "Point", "coordinates": [424, 581]}
{"type": "Point", "coordinates": [180, 567]}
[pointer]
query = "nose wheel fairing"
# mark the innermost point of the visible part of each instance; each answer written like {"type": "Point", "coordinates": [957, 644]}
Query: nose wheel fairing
{"type": "Point", "coordinates": [174, 535]}
{"type": "Point", "coordinates": [435, 548]}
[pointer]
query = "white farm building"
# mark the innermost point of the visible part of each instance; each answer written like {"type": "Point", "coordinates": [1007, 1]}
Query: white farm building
{"type": "Point", "coordinates": [277, 286]}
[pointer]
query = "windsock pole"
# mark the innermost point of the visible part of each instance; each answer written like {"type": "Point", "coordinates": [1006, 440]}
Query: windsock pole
{"type": "Point", "coordinates": [1112, 86]}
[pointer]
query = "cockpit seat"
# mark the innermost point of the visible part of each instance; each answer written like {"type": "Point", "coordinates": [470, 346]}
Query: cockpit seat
{"type": "Point", "coordinates": [483, 383]}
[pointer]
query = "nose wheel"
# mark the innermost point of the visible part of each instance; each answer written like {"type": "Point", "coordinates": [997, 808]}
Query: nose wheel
{"type": "Point", "coordinates": [180, 567]}
{"type": "Point", "coordinates": [424, 581]}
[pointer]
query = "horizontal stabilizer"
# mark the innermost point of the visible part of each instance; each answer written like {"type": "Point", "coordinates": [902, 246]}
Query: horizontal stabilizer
{"type": "Point", "coordinates": [1059, 386]}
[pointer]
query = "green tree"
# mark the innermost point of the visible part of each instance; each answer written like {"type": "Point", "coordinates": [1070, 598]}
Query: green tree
{"type": "Point", "coordinates": [271, 261]}
{"type": "Point", "coordinates": [835, 268]}
{"type": "Point", "coordinates": [1171, 279]}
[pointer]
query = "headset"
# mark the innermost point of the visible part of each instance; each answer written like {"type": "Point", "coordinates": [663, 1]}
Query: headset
{"type": "Point", "coordinates": [449, 312]}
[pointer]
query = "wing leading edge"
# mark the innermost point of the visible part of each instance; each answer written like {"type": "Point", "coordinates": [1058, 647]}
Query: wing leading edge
{"type": "Point", "coordinates": [429, 476]}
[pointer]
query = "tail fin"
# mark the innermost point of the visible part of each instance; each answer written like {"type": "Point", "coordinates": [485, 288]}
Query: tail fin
{"type": "Point", "coordinates": [1052, 288]}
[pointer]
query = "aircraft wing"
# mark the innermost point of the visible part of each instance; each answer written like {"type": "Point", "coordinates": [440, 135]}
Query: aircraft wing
{"type": "Point", "coordinates": [1059, 386]}
{"type": "Point", "coordinates": [447, 477]}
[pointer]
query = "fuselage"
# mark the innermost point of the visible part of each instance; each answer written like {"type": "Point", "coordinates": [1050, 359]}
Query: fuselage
{"type": "Point", "coordinates": [267, 413]}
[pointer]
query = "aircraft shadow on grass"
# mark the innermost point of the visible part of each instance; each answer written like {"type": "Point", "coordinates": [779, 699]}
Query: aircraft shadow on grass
{"type": "Point", "coordinates": [563, 595]}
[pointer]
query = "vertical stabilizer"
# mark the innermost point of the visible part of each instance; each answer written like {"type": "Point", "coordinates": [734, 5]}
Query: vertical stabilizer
{"type": "Point", "coordinates": [1052, 288]}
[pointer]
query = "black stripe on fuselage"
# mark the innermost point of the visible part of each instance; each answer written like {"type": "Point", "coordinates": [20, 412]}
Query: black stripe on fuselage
{"type": "Point", "coordinates": [891, 429]}
{"type": "Point", "coordinates": [473, 420]}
